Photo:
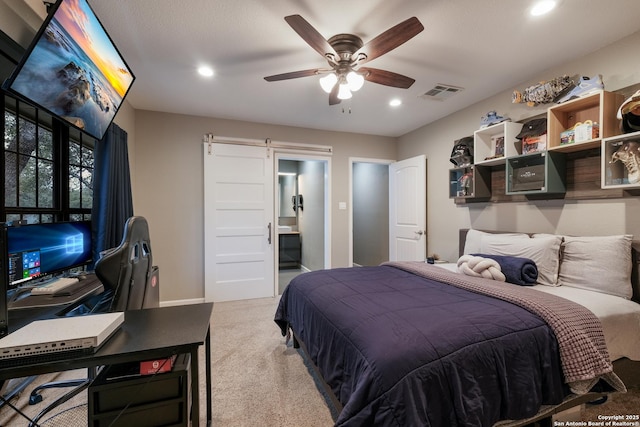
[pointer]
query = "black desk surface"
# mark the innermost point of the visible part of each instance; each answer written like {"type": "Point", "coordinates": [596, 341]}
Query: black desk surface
{"type": "Point", "coordinates": [145, 334]}
{"type": "Point", "coordinates": [84, 288]}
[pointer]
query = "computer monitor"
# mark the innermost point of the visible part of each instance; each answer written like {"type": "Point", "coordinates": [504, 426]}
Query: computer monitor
{"type": "Point", "coordinates": [37, 250]}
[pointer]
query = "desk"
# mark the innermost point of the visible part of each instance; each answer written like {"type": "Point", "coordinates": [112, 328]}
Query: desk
{"type": "Point", "coordinates": [144, 335]}
{"type": "Point", "coordinates": [82, 290]}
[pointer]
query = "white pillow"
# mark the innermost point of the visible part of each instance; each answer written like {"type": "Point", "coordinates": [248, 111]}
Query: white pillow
{"type": "Point", "coordinates": [598, 263]}
{"type": "Point", "coordinates": [473, 241]}
{"type": "Point", "coordinates": [544, 251]}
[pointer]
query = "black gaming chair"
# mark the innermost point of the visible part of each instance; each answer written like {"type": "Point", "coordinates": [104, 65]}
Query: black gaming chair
{"type": "Point", "coordinates": [128, 270]}
{"type": "Point", "coordinates": [131, 283]}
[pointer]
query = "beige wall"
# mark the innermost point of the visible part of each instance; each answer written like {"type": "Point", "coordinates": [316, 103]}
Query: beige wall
{"type": "Point", "coordinates": [620, 67]}
{"type": "Point", "coordinates": [168, 187]}
{"type": "Point", "coordinates": [166, 161]}
{"type": "Point", "coordinates": [20, 20]}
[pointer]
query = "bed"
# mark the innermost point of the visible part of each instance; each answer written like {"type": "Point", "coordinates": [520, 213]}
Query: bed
{"type": "Point", "coordinates": [417, 344]}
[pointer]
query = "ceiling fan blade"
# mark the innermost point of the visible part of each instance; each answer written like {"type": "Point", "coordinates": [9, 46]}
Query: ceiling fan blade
{"type": "Point", "coordinates": [292, 75]}
{"type": "Point", "coordinates": [387, 78]}
{"type": "Point", "coordinates": [333, 96]}
{"type": "Point", "coordinates": [311, 36]}
{"type": "Point", "coordinates": [389, 40]}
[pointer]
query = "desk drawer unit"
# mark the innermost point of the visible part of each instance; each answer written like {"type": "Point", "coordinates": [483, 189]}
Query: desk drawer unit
{"type": "Point", "coordinates": [141, 400]}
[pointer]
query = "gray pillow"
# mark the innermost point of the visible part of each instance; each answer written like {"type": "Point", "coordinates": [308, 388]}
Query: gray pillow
{"type": "Point", "coordinates": [598, 263]}
{"type": "Point", "coordinates": [544, 251]}
{"type": "Point", "coordinates": [474, 239]}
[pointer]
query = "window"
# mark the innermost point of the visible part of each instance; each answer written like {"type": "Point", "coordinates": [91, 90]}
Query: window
{"type": "Point", "coordinates": [80, 175]}
{"type": "Point", "coordinates": [48, 167]}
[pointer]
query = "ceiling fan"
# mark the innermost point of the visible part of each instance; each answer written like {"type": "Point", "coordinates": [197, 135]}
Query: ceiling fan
{"type": "Point", "coordinates": [346, 53]}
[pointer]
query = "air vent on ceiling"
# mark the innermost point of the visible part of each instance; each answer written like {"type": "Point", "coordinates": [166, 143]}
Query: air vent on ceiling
{"type": "Point", "coordinates": [440, 92]}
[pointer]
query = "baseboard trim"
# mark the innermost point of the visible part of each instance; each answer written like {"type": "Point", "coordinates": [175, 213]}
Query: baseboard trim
{"type": "Point", "coordinates": [181, 302]}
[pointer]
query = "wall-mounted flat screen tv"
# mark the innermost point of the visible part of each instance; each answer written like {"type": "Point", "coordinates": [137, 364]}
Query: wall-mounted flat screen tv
{"type": "Point", "coordinates": [73, 69]}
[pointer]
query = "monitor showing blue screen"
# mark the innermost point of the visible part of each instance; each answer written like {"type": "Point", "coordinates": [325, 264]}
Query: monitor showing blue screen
{"type": "Point", "coordinates": [40, 249]}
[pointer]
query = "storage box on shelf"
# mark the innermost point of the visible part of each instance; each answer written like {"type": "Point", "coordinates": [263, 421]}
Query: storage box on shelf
{"type": "Point", "coordinates": [621, 161]}
{"type": "Point", "coordinates": [538, 173]}
{"type": "Point", "coordinates": [493, 144]}
{"type": "Point", "coordinates": [470, 182]}
{"type": "Point", "coordinates": [534, 144]}
{"type": "Point", "coordinates": [600, 108]}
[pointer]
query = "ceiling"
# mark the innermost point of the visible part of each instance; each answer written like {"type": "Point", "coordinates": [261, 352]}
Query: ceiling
{"type": "Point", "coordinates": [486, 47]}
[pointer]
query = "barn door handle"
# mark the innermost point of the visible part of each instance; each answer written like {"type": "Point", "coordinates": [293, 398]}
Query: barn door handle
{"type": "Point", "coordinates": [269, 238]}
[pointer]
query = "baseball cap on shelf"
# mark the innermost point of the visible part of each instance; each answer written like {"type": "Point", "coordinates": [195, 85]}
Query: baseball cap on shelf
{"type": "Point", "coordinates": [630, 118]}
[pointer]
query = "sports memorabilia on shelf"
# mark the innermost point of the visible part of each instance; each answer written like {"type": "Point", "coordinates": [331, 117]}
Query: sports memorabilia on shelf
{"type": "Point", "coordinates": [544, 92]}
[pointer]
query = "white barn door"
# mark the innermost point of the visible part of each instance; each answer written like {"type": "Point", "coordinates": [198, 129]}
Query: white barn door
{"type": "Point", "coordinates": [238, 222]}
{"type": "Point", "coordinates": [408, 209]}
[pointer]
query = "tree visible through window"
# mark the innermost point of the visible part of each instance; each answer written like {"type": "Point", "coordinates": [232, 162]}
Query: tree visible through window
{"type": "Point", "coordinates": [80, 176]}
{"type": "Point", "coordinates": [48, 167]}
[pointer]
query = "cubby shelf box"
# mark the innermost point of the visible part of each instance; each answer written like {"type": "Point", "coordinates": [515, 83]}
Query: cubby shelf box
{"type": "Point", "coordinates": [493, 144]}
{"type": "Point", "coordinates": [600, 107]}
{"type": "Point", "coordinates": [623, 170]}
{"type": "Point", "coordinates": [536, 173]}
{"type": "Point", "coordinates": [470, 182]}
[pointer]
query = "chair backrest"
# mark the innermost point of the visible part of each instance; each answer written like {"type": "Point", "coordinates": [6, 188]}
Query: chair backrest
{"type": "Point", "coordinates": [128, 270]}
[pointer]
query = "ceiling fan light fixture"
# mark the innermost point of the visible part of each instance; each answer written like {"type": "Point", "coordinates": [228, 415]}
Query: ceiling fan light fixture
{"type": "Point", "coordinates": [328, 82]}
{"type": "Point", "coordinates": [355, 81]}
{"type": "Point", "coordinates": [344, 92]}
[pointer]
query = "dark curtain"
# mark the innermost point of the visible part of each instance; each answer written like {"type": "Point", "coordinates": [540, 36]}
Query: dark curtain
{"type": "Point", "coordinates": [112, 199]}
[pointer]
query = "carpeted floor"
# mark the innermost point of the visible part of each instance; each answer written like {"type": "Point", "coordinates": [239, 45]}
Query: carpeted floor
{"type": "Point", "coordinates": [257, 379]}
{"type": "Point", "coordinates": [620, 404]}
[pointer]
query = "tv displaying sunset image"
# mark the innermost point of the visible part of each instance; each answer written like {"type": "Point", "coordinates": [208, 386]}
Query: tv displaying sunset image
{"type": "Point", "coordinates": [74, 70]}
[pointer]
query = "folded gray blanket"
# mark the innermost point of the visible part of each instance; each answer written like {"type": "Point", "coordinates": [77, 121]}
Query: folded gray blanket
{"type": "Point", "coordinates": [517, 270]}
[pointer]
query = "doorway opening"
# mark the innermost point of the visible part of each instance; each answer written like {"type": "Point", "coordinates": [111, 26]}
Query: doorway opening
{"type": "Point", "coordinates": [369, 219]}
{"type": "Point", "coordinates": [302, 210]}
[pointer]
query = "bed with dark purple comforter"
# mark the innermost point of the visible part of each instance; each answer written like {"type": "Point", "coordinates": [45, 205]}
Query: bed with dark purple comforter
{"type": "Point", "coordinates": [400, 349]}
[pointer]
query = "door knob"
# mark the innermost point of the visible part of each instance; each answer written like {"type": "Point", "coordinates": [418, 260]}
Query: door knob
{"type": "Point", "coordinates": [419, 232]}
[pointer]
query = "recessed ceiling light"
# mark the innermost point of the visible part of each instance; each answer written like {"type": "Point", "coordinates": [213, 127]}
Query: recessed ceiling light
{"type": "Point", "coordinates": [205, 71]}
{"type": "Point", "coordinates": [542, 7]}
{"type": "Point", "coordinates": [395, 102]}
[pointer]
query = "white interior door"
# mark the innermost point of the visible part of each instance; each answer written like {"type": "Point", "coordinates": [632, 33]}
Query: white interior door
{"type": "Point", "coordinates": [238, 222]}
{"type": "Point", "coordinates": [408, 209]}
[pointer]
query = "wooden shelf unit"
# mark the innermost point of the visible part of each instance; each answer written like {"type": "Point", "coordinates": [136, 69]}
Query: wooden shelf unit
{"type": "Point", "coordinates": [484, 141]}
{"type": "Point", "coordinates": [601, 107]}
{"type": "Point", "coordinates": [478, 187]}
{"type": "Point", "coordinates": [615, 174]}
{"type": "Point", "coordinates": [580, 170]}
{"type": "Point", "coordinates": [551, 166]}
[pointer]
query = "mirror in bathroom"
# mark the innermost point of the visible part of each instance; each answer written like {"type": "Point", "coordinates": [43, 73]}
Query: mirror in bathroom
{"type": "Point", "coordinates": [288, 191]}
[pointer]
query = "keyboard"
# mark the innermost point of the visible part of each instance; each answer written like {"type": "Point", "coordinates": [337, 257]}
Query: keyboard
{"type": "Point", "coordinates": [54, 286]}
